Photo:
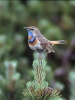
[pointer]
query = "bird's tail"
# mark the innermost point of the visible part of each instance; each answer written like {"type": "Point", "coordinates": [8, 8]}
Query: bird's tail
{"type": "Point", "coordinates": [58, 42]}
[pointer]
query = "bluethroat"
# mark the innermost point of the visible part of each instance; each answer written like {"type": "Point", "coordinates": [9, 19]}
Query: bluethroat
{"type": "Point", "coordinates": [38, 42]}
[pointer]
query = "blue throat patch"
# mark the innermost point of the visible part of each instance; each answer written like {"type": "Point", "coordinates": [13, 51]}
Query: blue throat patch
{"type": "Point", "coordinates": [33, 37]}
{"type": "Point", "coordinates": [30, 33]}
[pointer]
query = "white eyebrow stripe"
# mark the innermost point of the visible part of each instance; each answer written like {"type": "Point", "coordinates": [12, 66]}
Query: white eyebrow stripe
{"type": "Point", "coordinates": [35, 28]}
{"type": "Point", "coordinates": [32, 27]}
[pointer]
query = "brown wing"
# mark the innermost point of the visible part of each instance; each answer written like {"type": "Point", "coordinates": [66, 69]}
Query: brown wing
{"type": "Point", "coordinates": [45, 44]}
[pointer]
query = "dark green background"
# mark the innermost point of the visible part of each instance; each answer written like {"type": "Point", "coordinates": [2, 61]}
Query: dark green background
{"type": "Point", "coordinates": [56, 21]}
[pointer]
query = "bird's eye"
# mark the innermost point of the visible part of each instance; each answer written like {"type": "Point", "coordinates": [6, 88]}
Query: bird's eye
{"type": "Point", "coordinates": [32, 29]}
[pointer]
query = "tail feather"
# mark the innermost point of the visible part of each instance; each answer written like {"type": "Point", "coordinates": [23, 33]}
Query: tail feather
{"type": "Point", "coordinates": [58, 42]}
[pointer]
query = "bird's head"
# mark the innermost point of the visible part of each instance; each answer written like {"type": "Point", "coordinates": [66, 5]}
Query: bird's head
{"type": "Point", "coordinates": [32, 30]}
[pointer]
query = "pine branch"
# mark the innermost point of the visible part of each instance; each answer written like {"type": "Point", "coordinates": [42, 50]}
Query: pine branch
{"type": "Point", "coordinates": [38, 88]}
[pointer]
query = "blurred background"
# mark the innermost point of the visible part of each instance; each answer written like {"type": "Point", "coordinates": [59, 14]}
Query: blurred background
{"type": "Point", "coordinates": [56, 21]}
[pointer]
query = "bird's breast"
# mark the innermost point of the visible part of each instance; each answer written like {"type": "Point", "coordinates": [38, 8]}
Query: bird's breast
{"type": "Point", "coordinates": [35, 46]}
{"type": "Point", "coordinates": [33, 43]}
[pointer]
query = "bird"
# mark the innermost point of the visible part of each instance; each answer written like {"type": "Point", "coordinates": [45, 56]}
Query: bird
{"type": "Point", "coordinates": [38, 42]}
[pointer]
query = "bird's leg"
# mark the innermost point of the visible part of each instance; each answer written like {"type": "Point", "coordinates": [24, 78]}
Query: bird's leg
{"type": "Point", "coordinates": [40, 59]}
{"type": "Point", "coordinates": [44, 55]}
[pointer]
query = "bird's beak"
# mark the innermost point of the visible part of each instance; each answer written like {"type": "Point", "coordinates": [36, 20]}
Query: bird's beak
{"type": "Point", "coordinates": [24, 27]}
{"type": "Point", "coordinates": [27, 28]}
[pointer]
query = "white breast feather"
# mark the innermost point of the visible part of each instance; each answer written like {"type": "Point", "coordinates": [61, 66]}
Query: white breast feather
{"type": "Point", "coordinates": [37, 46]}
